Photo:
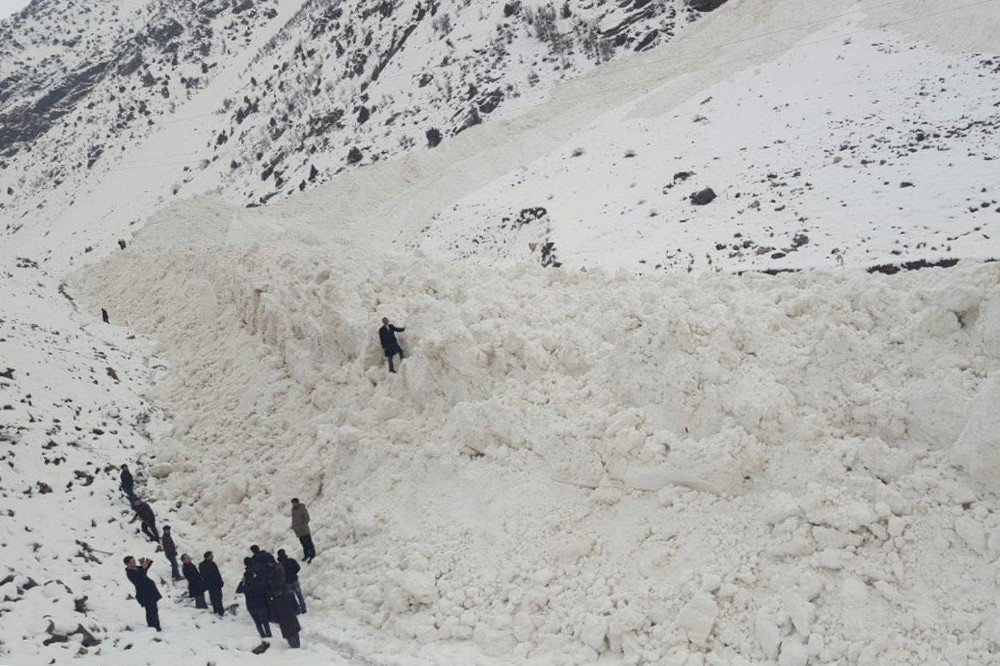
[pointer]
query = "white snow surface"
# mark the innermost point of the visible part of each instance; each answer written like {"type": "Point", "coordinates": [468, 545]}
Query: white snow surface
{"type": "Point", "coordinates": [573, 465]}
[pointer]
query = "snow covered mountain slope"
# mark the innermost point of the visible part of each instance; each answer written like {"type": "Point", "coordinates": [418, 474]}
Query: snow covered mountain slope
{"type": "Point", "coordinates": [573, 465]}
{"type": "Point", "coordinates": [856, 147]}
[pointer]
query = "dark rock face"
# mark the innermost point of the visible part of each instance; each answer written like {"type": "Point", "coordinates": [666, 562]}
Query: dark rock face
{"type": "Point", "coordinates": [706, 5]}
{"type": "Point", "coordinates": [703, 197]}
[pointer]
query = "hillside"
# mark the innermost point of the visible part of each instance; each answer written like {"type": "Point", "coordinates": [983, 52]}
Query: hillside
{"type": "Point", "coordinates": [631, 427]}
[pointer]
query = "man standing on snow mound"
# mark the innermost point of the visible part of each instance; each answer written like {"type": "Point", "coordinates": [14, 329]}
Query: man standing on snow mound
{"type": "Point", "coordinates": [145, 590]}
{"type": "Point", "coordinates": [300, 525]}
{"type": "Point", "coordinates": [213, 582]}
{"type": "Point", "coordinates": [390, 346]}
{"type": "Point", "coordinates": [196, 585]}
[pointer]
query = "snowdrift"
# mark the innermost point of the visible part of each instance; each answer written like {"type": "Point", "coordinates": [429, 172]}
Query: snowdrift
{"type": "Point", "coordinates": [575, 464]}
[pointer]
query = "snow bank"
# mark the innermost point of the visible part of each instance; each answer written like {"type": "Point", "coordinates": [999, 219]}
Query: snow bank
{"type": "Point", "coordinates": [575, 464]}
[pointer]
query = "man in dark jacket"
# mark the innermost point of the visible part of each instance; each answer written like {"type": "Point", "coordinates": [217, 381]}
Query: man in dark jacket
{"type": "Point", "coordinates": [170, 551]}
{"type": "Point", "coordinates": [283, 612]}
{"type": "Point", "coordinates": [300, 525]}
{"type": "Point", "coordinates": [213, 582]}
{"type": "Point", "coordinates": [390, 347]}
{"type": "Point", "coordinates": [261, 557]}
{"type": "Point", "coordinates": [144, 513]}
{"type": "Point", "coordinates": [146, 593]}
{"type": "Point", "coordinates": [254, 590]}
{"type": "Point", "coordinates": [196, 586]}
{"type": "Point", "coordinates": [276, 580]}
{"type": "Point", "coordinates": [292, 569]}
{"type": "Point", "coordinates": [127, 484]}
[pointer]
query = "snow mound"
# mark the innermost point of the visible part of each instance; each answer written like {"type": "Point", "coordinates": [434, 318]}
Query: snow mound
{"type": "Point", "coordinates": [573, 464]}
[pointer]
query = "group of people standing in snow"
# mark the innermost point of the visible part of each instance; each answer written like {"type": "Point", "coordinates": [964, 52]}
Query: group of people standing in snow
{"type": "Point", "coordinates": [270, 586]}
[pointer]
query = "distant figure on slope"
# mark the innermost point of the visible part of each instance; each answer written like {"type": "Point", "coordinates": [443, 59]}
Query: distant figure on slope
{"type": "Point", "coordinates": [121, 243]}
{"type": "Point", "coordinates": [104, 316]}
{"type": "Point", "coordinates": [390, 346]}
{"type": "Point", "coordinates": [127, 484]}
{"type": "Point", "coordinates": [300, 525]}
{"type": "Point", "coordinates": [213, 582]}
{"type": "Point", "coordinates": [254, 591]}
{"type": "Point", "coordinates": [292, 569]}
{"type": "Point", "coordinates": [144, 513]}
{"type": "Point", "coordinates": [283, 611]}
{"type": "Point", "coordinates": [196, 585]}
{"type": "Point", "coordinates": [145, 590]}
{"type": "Point", "coordinates": [170, 551]}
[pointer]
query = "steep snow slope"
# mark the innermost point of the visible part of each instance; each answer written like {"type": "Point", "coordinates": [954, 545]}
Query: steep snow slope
{"type": "Point", "coordinates": [71, 406]}
{"type": "Point", "coordinates": [856, 147]}
{"type": "Point", "coordinates": [533, 400]}
{"type": "Point", "coordinates": [572, 464]}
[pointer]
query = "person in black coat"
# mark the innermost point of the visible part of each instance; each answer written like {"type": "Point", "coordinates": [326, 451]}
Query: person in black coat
{"type": "Point", "coordinates": [292, 569]}
{"type": "Point", "coordinates": [170, 552]}
{"type": "Point", "coordinates": [390, 346]}
{"type": "Point", "coordinates": [261, 557]}
{"type": "Point", "coordinates": [213, 582]}
{"type": "Point", "coordinates": [127, 484]}
{"type": "Point", "coordinates": [146, 593]}
{"type": "Point", "coordinates": [144, 513]}
{"type": "Point", "coordinates": [253, 587]}
{"type": "Point", "coordinates": [196, 585]}
{"type": "Point", "coordinates": [283, 611]}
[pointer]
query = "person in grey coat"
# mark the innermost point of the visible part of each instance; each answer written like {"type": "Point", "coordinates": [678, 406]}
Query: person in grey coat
{"type": "Point", "coordinates": [300, 525]}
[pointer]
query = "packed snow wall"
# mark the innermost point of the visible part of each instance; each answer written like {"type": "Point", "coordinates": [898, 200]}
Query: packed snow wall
{"type": "Point", "coordinates": [571, 464]}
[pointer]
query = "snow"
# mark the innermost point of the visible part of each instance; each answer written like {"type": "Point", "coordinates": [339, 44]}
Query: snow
{"type": "Point", "coordinates": [618, 464]}
{"type": "Point", "coordinates": [589, 425]}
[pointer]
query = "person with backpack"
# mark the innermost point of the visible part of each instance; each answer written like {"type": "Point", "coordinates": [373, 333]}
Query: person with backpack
{"type": "Point", "coordinates": [146, 593]}
{"type": "Point", "coordinates": [196, 585]}
{"type": "Point", "coordinates": [253, 587]}
{"type": "Point", "coordinates": [292, 569]}
{"type": "Point", "coordinates": [144, 513]}
{"type": "Point", "coordinates": [127, 484]}
{"type": "Point", "coordinates": [170, 552]}
{"type": "Point", "coordinates": [213, 582]}
{"type": "Point", "coordinates": [300, 525]}
{"type": "Point", "coordinates": [390, 346]}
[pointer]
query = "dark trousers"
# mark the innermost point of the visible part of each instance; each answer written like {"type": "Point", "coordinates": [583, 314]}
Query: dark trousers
{"type": "Point", "coordinates": [152, 616]}
{"type": "Point", "coordinates": [389, 355]}
{"type": "Point", "coordinates": [149, 529]}
{"type": "Point", "coordinates": [215, 596]}
{"type": "Point", "coordinates": [293, 641]}
{"type": "Point", "coordinates": [260, 619]}
{"type": "Point", "coordinates": [175, 573]}
{"type": "Point", "coordinates": [199, 600]}
{"type": "Point", "coordinates": [308, 549]}
{"type": "Point", "coordinates": [130, 494]}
